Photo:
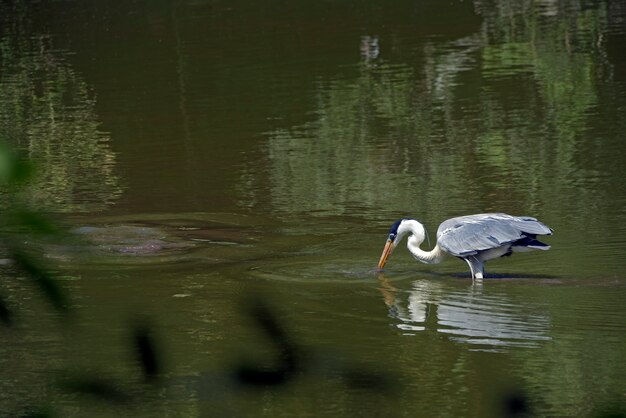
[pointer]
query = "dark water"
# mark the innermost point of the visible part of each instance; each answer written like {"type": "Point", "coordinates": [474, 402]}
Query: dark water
{"type": "Point", "coordinates": [207, 151]}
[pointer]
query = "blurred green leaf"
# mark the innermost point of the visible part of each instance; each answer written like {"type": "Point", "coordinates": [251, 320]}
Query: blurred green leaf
{"type": "Point", "coordinates": [34, 222]}
{"type": "Point", "coordinates": [13, 170]}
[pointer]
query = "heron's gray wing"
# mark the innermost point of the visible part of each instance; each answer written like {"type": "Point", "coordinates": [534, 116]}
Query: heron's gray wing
{"type": "Point", "coordinates": [468, 235]}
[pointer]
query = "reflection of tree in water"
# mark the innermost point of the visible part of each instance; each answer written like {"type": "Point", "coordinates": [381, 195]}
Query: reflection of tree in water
{"type": "Point", "coordinates": [47, 111]}
{"type": "Point", "coordinates": [559, 48]}
{"type": "Point", "coordinates": [508, 139]}
{"type": "Point", "coordinates": [336, 162]}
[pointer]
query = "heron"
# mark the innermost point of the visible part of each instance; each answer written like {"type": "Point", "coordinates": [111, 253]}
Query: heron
{"type": "Point", "coordinates": [473, 238]}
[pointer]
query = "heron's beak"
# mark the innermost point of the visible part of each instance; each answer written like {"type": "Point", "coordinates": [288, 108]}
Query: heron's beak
{"type": "Point", "coordinates": [386, 253]}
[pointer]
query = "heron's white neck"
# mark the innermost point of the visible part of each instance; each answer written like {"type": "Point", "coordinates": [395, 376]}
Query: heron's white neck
{"type": "Point", "coordinates": [429, 257]}
{"type": "Point", "coordinates": [416, 237]}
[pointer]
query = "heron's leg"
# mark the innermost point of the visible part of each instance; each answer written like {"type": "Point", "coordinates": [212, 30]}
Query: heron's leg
{"type": "Point", "coordinates": [476, 267]}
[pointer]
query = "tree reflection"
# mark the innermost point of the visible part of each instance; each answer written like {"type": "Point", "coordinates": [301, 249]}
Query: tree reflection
{"type": "Point", "coordinates": [493, 120]}
{"type": "Point", "coordinates": [48, 112]}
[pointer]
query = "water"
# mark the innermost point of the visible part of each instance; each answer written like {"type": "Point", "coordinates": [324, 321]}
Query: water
{"type": "Point", "coordinates": [207, 154]}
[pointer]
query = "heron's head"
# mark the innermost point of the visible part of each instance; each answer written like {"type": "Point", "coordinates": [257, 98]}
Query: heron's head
{"type": "Point", "coordinates": [396, 232]}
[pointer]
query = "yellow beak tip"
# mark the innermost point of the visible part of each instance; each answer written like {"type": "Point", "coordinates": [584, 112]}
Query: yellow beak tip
{"type": "Point", "coordinates": [385, 255]}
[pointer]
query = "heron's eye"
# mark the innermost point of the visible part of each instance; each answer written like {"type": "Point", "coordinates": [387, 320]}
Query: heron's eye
{"type": "Point", "coordinates": [392, 237]}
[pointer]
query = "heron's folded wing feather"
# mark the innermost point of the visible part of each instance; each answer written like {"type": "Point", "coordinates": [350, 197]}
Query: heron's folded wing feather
{"type": "Point", "coordinates": [468, 235]}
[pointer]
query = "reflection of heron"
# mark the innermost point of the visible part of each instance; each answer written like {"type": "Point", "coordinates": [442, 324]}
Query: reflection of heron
{"type": "Point", "coordinates": [466, 315]}
{"type": "Point", "coordinates": [473, 238]}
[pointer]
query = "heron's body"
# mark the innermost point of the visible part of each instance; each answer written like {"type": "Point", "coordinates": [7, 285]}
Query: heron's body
{"type": "Point", "coordinates": [473, 238]}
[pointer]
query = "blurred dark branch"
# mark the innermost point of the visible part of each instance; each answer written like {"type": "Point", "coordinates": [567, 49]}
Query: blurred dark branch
{"type": "Point", "coordinates": [289, 354]}
{"type": "Point", "coordinates": [42, 278]}
{"type": "Point", "coordinates": [146, 352]}
{"type": "Point", "coordinates": [515, 404]}
{"type": "Point", "coordinates": [100, 388]}
{"type": "Point", "coordinates": [38, 412]}
{"type": "Point", "coordinates": [6, 316]}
